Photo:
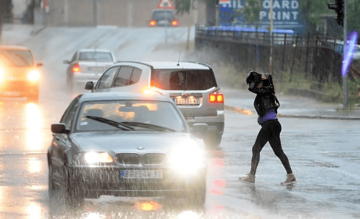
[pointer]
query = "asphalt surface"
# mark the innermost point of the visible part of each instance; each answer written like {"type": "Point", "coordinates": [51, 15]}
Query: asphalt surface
{"type": "Point", "coordinates": [323, 152]}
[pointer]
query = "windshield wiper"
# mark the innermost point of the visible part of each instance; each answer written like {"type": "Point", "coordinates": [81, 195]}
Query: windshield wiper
{"type": "Point", "coordinates": [150, 126]}
{"type": "Point", "coordinates": [119, 125]}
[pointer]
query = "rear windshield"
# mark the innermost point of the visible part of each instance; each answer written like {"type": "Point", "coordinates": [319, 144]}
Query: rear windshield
{"type": "Point", "coordinates": [162, 15]}
{"type": "Point", "coordinates": [16, 58]}
{"type": "Point", "coordinates": [183, 79]}
{"type": "Point", "coordinates": [95, 56]}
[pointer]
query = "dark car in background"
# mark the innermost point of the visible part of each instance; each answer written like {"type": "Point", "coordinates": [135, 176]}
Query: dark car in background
{"type": "Point", "coordinates": [125, 144]}
{"type": "Point", "coordinates": [163, 17]}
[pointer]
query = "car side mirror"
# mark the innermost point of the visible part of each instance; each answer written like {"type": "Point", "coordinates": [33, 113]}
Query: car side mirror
{"type": "Point", "coordinates": [39, 64]}
{"type": "Point", "coordinates": [89, 85]}
{"type": "Point", "coordinates": [58, 128]}
{"type": "Point", "coordinates": [66, 62]}
{"type": "Point", "coordinates": [199, 129]}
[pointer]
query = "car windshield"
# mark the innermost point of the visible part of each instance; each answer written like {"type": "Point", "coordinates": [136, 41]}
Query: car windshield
{"type": "Point", "coordinates": [16, 58]}
{"type": "Point", "coordinates": [183, 79]}
{"type": "Point", "coordinates": [95, 56]}
{"type": "Point", "coordinates": [163, 15]}
{"type": "Point", "coordinates": [134, 115]}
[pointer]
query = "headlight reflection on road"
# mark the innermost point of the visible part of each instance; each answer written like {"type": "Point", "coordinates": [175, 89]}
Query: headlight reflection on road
{"type": "Point", "coordinates": [148, 206]}
{"type": "Point", "coordinates": [188, 215]}
{"type": "Point", "coordinates": [34, 165]}
{"type": "Point", "coordinates": [33, 210]}
{"type": "Point", "coordinates": [94, 216]}
{"type": "Point", "coordinates": [34, 133]}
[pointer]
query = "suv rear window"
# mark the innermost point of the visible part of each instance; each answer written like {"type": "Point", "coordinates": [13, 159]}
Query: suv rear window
{"type": "Point", "coordinates": [163, 15]}
{"type": "Point", "coordinates": [183, 79]}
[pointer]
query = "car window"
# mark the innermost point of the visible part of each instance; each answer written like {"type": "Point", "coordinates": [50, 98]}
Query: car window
{"type": "Point", "coordinates": [16, 58]}
{"type": "Point", "coordinates": [151, 112]}
{"type": "Point", "coordinates": [135, 77]}
{"type": "Point", "coordinates": [70, 113]}
{"type": "Point", "coordinates": [183, 79]}
{"type": "Point", "coordinates": [106, 79]}
{"type": "Point", "coordinates": [123, 77]}
{"type": "Point", "coordinates": [95, 56]}
{"type": "Point", "coordinates": [73, 59]}
{"type": "Point", "coordinates": [163, 15]}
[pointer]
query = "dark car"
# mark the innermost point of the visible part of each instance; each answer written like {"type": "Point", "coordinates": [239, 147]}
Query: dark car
{"type": "Point", "coordinates": [125, 144]}
{"type": "Point", "coordinates": [163, 17]}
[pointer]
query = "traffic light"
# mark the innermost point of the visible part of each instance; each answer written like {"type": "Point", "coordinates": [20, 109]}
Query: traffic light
{"type": "Point", "coordinates": [338, 6]}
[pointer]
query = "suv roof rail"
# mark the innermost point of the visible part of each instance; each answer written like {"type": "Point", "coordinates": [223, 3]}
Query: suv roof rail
{"type": "Point", "coordinates": [137, 62]}
{"type": "Point", "coordinates": [199, 63]}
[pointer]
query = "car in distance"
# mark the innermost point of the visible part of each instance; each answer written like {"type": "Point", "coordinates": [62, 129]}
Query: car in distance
{"type": "Point", "coordinates": [163, 17]}
{"type": "Point", "coordinates": [19, 73]}
{"type": "Point", "coordinates": [125, 144]}
{"type": "Point", "coordinates": [192, 87]}
{"type": "Point", "coordinates": [87, 64]}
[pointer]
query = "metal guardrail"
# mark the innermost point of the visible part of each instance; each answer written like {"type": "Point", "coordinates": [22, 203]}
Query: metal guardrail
{"type": "Point", "coordinates": [254, 37]}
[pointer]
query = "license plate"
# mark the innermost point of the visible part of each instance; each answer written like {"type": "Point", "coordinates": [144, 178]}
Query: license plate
{"type": "Point", "coordinates": [141, 174]}
{"type": "Point", "coordinates": [187, 101]}
{"type": "Point", "coordinates": [96, 69]}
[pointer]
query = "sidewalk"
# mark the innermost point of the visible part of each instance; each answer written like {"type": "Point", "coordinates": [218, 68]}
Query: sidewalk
{"type": "Point", "coordinates": [290, 106]}
{"type": "Point", "coordinates": [17, 34]}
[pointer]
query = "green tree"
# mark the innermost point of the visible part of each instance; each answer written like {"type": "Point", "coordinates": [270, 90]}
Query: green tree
{"type": "Point", "coordinates": [251, 11]}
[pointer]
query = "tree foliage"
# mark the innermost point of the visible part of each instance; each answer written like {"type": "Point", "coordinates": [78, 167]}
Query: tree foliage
{"type": "Point", "coordinates": [314, 12]}
{"type": "Point", "coordinates": [251, 11]}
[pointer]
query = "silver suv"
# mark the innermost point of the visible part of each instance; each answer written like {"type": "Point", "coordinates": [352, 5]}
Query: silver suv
{"type": "Point", "coordinates": [192, 86]}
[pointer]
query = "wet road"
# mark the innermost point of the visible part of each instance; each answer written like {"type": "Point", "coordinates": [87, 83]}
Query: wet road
{"type": "Point", "coordinates": [323, 153]}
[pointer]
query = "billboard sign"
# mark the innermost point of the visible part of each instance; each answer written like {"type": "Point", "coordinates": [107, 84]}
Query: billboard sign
{"type": "Point", "coordinates": [286, 14]}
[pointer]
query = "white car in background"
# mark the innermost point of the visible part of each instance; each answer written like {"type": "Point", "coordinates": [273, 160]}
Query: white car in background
{"type": "Point", "coordinates": [86, 65]}
{"type": "Point", "coordinates": [191, 86]}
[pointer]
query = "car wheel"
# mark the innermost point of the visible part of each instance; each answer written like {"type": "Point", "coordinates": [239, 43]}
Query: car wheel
{"type": "Point", "coordinates": [213, 140]}
{"type": "Point", "coordinates": [69, 83]}
{"type": "Point", "coordinates": [52, 189]}
{"type": "Point", "coordinates": [73, 194]}
{"type": "Point", "coordinates": [196, 196]}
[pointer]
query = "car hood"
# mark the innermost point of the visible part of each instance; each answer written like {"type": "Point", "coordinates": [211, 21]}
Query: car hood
{"type": "Point", "coordinates": [133, 142]}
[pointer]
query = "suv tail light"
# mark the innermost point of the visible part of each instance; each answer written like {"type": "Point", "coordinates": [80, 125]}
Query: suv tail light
{"type": "Point", "coordinates": [152, 23]}
{"type": "Point", "coordinates": [75, 68]}
{"type": "Point", "coordinates": [174, 23]}
{"type": "Point", "coordinates": [216, 97]}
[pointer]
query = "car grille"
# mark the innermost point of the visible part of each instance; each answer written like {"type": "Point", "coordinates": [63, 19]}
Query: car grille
{"type": "Point", "coordinates": [128, 158]}
{"type": "Point", "coordinates": [150, 159]}
{"type": "Point", "coordinates": [147, 159]}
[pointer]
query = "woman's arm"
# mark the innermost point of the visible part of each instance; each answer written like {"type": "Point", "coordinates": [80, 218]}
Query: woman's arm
{"type": "Point", "coordinates": [263, 90]}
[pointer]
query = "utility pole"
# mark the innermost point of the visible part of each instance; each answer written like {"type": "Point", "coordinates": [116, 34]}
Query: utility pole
{"type": "Point", "coordinates": [340, 8]}
{"type": "Point", "coordinates": [345, 78]}
{"type": "Point", "coordinates": [271, 37]}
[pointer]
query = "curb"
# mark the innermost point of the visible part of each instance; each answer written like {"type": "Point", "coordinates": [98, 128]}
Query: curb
{"type": "Point", "coordinates": [250, 112]}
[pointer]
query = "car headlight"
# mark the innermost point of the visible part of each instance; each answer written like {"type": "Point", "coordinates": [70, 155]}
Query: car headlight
{"type": "Point", "coordinates": [98, 157]}
{"type": "Point", "coordinates": [33, 75]}
{"type": "Point", "coordinates": [2, 74]}
{"type": "Point", "coordinates": [187, 158]}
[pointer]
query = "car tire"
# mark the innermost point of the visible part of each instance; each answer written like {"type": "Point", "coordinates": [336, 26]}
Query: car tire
{"type": "Point", "coordinates": [196, 197]}
{"type": "Point", "coordinates": [52, 188]}
{"type": "Point", "coordinates": [212, 140]}
{"type": "Point", "coordinates": [69, 83]}
{"type": "Point", "coordinates": [74, 195]}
